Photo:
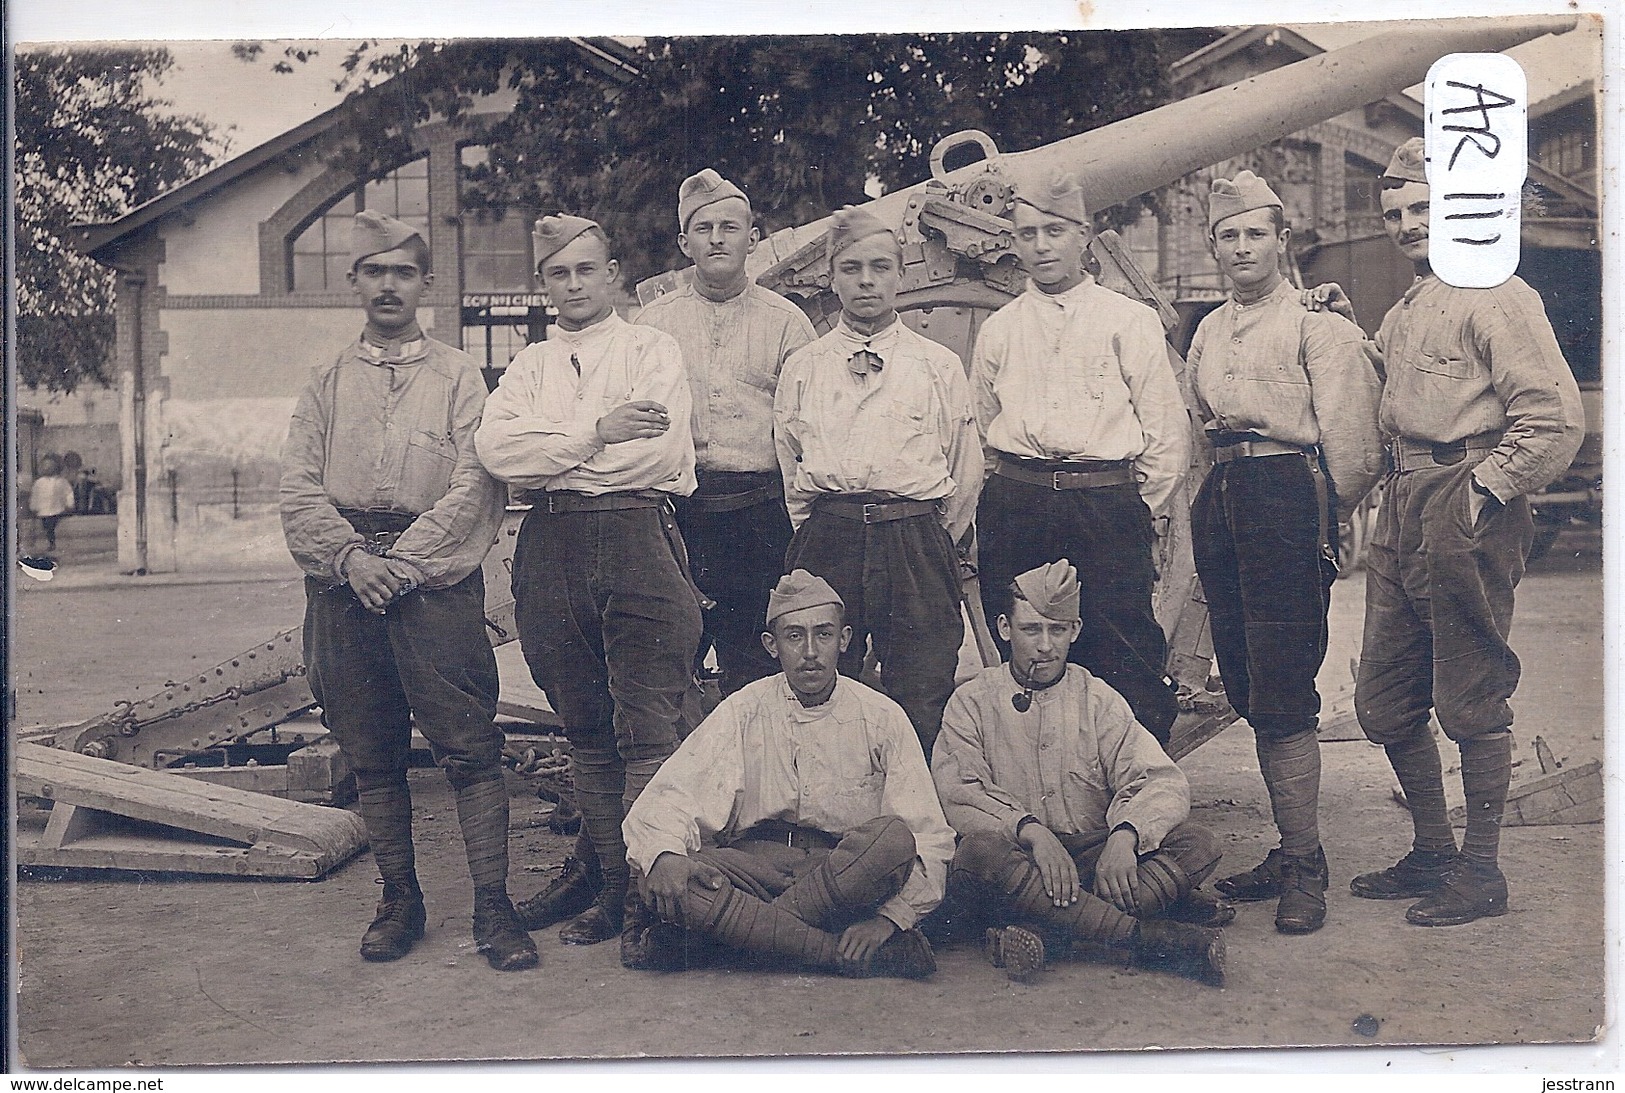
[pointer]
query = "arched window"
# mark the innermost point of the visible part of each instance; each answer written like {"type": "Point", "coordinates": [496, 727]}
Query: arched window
{"type": "Point", "coordinates": [321, 253]}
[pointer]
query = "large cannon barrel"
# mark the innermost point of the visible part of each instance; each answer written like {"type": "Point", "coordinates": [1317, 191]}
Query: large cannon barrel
{"type": "Point", "coordinates": [1133, 156]}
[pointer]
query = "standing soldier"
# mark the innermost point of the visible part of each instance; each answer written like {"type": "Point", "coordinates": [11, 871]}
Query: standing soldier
{"type": "Point", "coordinates": [1289, 400]}
{"type": "Point", "coordinates": [735, 336]}
{"type": "Point", "coordinates": [1479, 408]}
{"type": "Point", "coordinates": [878, 449]}
{"type": "Point", "coordinates": [387, 510]}
{"type": "Point", "coordinates": [607, 618]}
{"type": "Point", "coordinates": [1087, 436]}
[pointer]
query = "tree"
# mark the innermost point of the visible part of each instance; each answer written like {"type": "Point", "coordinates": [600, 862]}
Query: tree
{"type": "Point", "coordinates": [805, 124]}
{"type": "Point", "coordinates": [92, 144]}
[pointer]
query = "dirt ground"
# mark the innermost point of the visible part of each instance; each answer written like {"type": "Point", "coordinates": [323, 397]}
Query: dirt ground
{"type": "Point", "coordinates": [167, 971]}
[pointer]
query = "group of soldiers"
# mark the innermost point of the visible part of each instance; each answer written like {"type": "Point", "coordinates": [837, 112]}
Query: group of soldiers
{"type": "Point", "coordinates": [715, 472]}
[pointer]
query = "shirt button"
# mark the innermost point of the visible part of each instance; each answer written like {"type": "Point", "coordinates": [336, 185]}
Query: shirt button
{"type": "Point", "coordinates": [1236, 340]}
{"type": "Point", "coordinates": [1228, 376]}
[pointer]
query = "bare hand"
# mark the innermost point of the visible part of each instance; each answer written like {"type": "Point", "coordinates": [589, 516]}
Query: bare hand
{"type": "Point", "coordinates": [1055, 865]}
{"type": "Point", "coordinates": [668, 880]}
{"type": "Point", "coordinates": [1117, 872]}
{"type": "Point", "coordinates": [371, 580]}
{"type": "Point", "coordinates": [860, 940]}
{"type": "Point", "coordinates": [633, 421]}
{"type": "Point", "coordinates": [1477, 500]}
{"type": "Point", "coordinates": [1329, 297]}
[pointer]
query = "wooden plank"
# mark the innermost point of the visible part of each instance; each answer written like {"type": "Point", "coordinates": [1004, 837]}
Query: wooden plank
{"type": "Point", "coordinates": [269, 779]}
{"type": "Point", "coordinates": [145, 794]}
{"type": "Point", "coordinates": [145, 853]}
{"type": "Point", "coordinates": [69, 823]}
{"type": "Point", "coordinates": [163, 798]}
{"type": "Point", "coordinates": [1571, 796]}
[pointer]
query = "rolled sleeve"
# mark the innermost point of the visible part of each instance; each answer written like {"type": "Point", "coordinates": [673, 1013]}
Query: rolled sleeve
{"type": "Point", "coordinates": [1545, 419]}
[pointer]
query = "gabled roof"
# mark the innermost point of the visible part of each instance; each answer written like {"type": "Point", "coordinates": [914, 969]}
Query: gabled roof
{"type": "Point", "coordinates": [613, 59]}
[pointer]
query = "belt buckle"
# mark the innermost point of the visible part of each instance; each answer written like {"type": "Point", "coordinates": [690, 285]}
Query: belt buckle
{"type": "Point", "coordinates": [550, 509]}
{"type": "Point", "coordinates": [1055, 480]}
{"type": "Point", "coordinates": [790, 838]}
{"type": "Point", "coordinates": [870, 516]}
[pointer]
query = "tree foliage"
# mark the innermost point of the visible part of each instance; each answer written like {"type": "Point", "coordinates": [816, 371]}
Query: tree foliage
{"type": "Point", "coordinates": [804, 124]}
{"type": "Point", "coordinates": [92, 144]}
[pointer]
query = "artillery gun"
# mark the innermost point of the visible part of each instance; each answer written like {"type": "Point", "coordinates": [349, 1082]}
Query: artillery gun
{"type": "Point", "coordinates": [958, 266]}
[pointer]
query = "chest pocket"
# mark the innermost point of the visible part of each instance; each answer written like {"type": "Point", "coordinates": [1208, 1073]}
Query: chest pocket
{"type": "Point", "coordinates": [763, 379]}
{"type": "Point", "coordinates": [850, 788]}
{"type": "Point", "coordinates": [433, 444]}
{"type": "Point", "coordinates": [1439, 364]}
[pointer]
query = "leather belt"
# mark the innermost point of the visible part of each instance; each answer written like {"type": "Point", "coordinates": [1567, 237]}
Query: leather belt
{"type": "Point", "coordinates": [380, 528]}
{"type": "Point", "coordinates": [873, 512]}
{"type": "Point", "coordinates": [792, 835]}
{"type": "Point", "coordinates": [769, 487]}
{"type": "Point", "coordinates": [1229, 446]}
{"type": "Point", "coordinates": [1405, 454]}
{"type": "Point", "coordinates": [1058, 477]}
{"type": "Point", "coordinates": [555, 501]}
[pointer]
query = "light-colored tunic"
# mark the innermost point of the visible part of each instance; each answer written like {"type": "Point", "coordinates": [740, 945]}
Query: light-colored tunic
{"type": "Point", "coordinates": [1462, 361]}
{"type": "Point", "coordinates": [906, 430]}
{"type": "Point", "coordinates": [1082, 375]}
{"type": "Point", "coordinates": [373, 431]}
{"type": "Point", "coordinates": [1077, 760]}
{"type": "Point", "coordinates": [733, 351]}
{"type": "Point", "coordinates": [761, 755]}
{"type": "Point", "coordinates": [1302, 377]}
{"type": "Point", "coordinates": [540, 429]}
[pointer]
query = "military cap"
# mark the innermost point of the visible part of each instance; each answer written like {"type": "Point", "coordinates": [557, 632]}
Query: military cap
{"type": "Point", "coordinates": [852, 224]}
{"type": "Point", "coordinates": [374, 233]}
{"type": "Point", "coordinates": [797, 591]}
{"type": "Point", "coordinates": [1409, 163]}
{"type": "Point", "coordinates": [553, 233]}
{"type": "Point", "coordinates": [1059, 195]}
{"type": "Point", "coordinates": [702, 189]}
{"type": "Point", "coordinates": [1242, 194]}
{"type": "Point", "coordinates": [1052, 589]}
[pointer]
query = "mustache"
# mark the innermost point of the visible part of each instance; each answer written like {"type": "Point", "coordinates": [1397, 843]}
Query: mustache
{"type": "Point", "coordinates": [386, 298]}
{"type": "Point", "coordinates": [1413, 237]}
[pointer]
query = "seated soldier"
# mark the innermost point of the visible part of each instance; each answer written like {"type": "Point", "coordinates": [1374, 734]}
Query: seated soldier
{"type": "Point", "coordinates": [798, 822]}
{"type": "Point", "coordinates": [1071, 817]}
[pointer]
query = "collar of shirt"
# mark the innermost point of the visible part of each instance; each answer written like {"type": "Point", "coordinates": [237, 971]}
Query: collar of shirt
{"type": "Point", "coordinates": [1418, 285]}
{"type": "Point", "coordinates": [1067, 301]}
{"type": "Point", "coordinates": [402, 352]}
{"type": "Point", "coordinates": [1280, 292]}
{"type": "Point", "coordinates": [879, 346]}
{"type": "Point", "coordinates": [577, 339]}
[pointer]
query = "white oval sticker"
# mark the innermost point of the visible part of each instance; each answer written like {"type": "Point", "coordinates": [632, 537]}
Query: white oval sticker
{"type": "Point", "coordinates": [1477, 141]}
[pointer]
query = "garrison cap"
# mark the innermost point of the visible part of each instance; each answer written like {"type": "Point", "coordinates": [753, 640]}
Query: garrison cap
{"type": "Point", "coordinates": [1059, 195]}
{"type": "Point", "coordinates": [1409, 163]}
{"type": "Point", "coordinates": [374, 233]}
{"type": "Point", "coordinates": [797, 591]}
{"type": "Point", "coordinates": [554, 233]}
{"type": "Point", "coordinates": [1242, 194]}
{"type": "Point", "coordinates": [851, 224]}
{"type": "Point", "coordinates": [1052, 589]}
{"type": "Point", "coordinates": [702, 189]}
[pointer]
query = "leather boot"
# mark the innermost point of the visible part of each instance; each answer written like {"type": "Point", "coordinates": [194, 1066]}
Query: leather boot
{"type": "Point", "coordinates": [1467, 894]}
{"type": "Point", "coordinates": [1262, 881]}
{"type": "Point", "coordinates": [498, 933]}
{"type": "Point", "coordinates": [647, 944]}
{"type": "Point", "coordinates": [600, 922]}
{"type": "Point", "coordinates": [1016, 949]}
{"type": "Point", "coordinates": [1196, 952]}
{"type": "Point", "coordinates": [905, 955]}
{"type": "Point", "coordinates": [1302, 909]}
{"type": "Point", "coordinates": [398, 924]}
{"type": "Point", "coordinates": [1418, 873]}
{"type": "Point", "coordinates": [570, 893]}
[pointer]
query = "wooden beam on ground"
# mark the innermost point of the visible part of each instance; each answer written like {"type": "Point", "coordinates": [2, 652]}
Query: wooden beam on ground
{"type": "Point", "coordinates": [109, 815]}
